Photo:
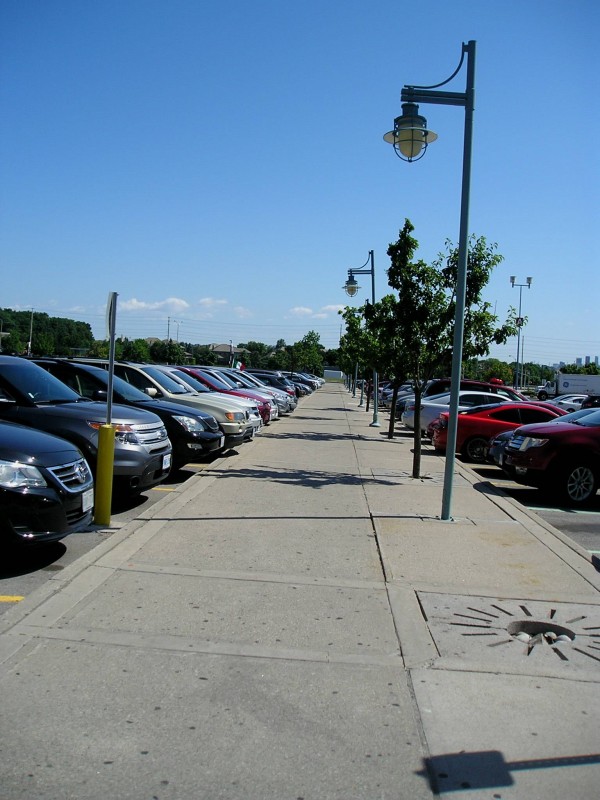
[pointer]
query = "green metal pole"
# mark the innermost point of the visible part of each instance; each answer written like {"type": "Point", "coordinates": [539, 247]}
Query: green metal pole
{"type": "Point", "coordinates": [461, 286]}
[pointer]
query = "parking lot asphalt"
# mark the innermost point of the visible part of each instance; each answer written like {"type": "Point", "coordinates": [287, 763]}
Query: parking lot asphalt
{"type": "Point", "coordinates": [298, 622]}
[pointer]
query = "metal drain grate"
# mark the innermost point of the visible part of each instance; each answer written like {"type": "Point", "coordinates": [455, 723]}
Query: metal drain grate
{"type": "Point", "coordinates": [506, 631]}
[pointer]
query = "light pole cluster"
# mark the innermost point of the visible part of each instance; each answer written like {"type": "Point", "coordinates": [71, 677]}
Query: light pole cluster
{"type": "Point", "coordinates": [351, 288]}
{"type": "Point", "coordinates": [519, 367]}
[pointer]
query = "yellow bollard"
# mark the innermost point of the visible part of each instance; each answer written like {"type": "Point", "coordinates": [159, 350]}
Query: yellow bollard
{"type": "Point", "coordinates": [104, 474]}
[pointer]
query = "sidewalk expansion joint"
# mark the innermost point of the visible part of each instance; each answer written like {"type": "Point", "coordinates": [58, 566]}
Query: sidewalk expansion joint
{"type": "Point", "coordinates": [259, 577]}
{"type": "Point", "coordinates": [182, 644]}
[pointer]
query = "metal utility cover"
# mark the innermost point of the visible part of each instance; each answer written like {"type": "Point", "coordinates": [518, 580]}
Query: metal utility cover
{"type": "Point", "coordinates": [529, 637]}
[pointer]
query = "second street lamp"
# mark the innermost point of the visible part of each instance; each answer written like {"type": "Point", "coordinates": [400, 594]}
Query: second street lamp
{"type": "Point", "coordinates": [410, 139]}
{"type": "Point", "coordinates": [351, 288]}
{"type": "Point", "coordinates": [519, 375]}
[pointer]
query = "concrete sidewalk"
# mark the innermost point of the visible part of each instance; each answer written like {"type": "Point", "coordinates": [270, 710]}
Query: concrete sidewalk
{"type": "Point", "coordinates": [296, 622]}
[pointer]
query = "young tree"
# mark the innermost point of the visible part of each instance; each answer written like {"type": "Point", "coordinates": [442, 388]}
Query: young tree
{"type": "Point", "coordinates": [426, 310]}
{"type": "Point", "coordinates": [352, 350]}
{"type": "Point", "coordinates": [385, 346]}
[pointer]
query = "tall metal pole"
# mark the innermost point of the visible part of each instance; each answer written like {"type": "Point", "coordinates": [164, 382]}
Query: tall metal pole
{"type": "Point", "coordinates": [461, 286]}
{"type": "Point", "coordinates": [375, 423]}
{"type": "Point", "coordinates": [410, 139]}
{"type": "Point", "coordinates": [517, 371]}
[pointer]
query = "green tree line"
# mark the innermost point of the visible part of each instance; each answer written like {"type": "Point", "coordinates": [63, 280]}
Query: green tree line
{"type": "Point", "coordinates": [38, 334]}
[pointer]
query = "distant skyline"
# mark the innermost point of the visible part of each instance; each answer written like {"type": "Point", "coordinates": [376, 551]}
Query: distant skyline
{"type": "Point", "coordinates": [221, 166]}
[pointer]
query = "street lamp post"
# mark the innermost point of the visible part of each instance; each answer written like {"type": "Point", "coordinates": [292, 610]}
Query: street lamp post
{"type": "Point", "coordinates": [519, 370]}
{"type": "Point", "coordinates": [410, 139]}
{"type": "Point", "coordinates": [351, 287]}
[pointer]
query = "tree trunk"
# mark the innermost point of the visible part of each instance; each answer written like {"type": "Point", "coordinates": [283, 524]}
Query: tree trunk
{"type": "Point", "coordinates": [393, 413]}
{"type": "Point", "coordinates": [416, 473]}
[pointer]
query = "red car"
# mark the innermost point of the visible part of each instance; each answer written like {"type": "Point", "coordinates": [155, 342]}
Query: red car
{"type": "Point", "coordinates": [476, 426]}
{"type": "Point", "coordinates": [563, 458]}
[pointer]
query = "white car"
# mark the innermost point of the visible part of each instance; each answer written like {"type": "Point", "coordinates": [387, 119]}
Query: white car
{"type": "Point", "coordinates": [569, 402]}
{"type": "Point", "coordinates": [434, 405]}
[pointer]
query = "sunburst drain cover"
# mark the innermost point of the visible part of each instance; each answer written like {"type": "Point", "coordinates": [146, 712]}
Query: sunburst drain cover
{"type": "Point", "coordinates": [514, 632]}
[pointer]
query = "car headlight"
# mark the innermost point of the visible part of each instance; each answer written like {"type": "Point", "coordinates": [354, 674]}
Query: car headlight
{"type": "Point", "coordinates": [123, 433]}
{"type": "Point", "coordinates": [529, 442]}
{"type": "Point", "coordinates": [191, 424]}
{"type": "Point", "coordinates": [235, 416]}
{"type": "Point", "coordinates": [14, 475]}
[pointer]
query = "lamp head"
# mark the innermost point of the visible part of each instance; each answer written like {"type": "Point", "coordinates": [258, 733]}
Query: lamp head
{"type": "Point", "coordinates": [529, 282]}
{"type": "Point", "coordinates": [513, 278]}
{"type": "Point", "coordinates": [351, 286]}
{"type": "Point", "coordinates": [410, 136]}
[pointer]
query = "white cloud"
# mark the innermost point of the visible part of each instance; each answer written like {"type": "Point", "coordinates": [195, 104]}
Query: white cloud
{"type": "Point", "coordinates": [172, 304]}
{"type": "Point", "coordinates": [242, 313]}
{"type": "Point", "coordinates": [211, 302]}
{"type": "Point", "coordinates": [332, 309]}
{"type": "Point", "coordinates": [301, 311]}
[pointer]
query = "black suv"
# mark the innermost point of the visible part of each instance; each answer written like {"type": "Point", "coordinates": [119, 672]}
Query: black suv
{"type": "Point", "coordinates": [193, 433]}
{"type": "Point", "coordinates": [31, 396]}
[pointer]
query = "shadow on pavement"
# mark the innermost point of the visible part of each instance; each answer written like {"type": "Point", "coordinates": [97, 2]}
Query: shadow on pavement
{"type": "Point", "coordinates": [23, 560]}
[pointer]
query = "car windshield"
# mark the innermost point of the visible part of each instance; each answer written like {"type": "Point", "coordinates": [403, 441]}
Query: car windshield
{"type": "Point", "coordinates": [40, 386]}
{"type": "Point", "coordinates": [126, 391]}
{"type": "Point", "coordinates": [591, 420]}
{"type": "Point", "coordinates": [169, 384]}
{"type": "Point", "coordinates": [190, 381]}
{"type": "Point", "coordinates": [218, 381]}
{"type": "Point", "coordinates": [232, 382]}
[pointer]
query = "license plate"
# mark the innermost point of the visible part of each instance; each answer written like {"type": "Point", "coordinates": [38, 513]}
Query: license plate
{"type": "Point", "coordinates": [87, 500]}
{"type": "Point", "coordinates": [222, 441]}
{"type": "Point", "coordinates": [167, 461]}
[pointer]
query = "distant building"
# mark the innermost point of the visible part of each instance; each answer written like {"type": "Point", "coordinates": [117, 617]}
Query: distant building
{"type": "Point", "coordinates": [227, 353]}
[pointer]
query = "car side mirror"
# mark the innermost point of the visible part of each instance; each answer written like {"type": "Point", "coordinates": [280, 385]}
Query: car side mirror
{"type": "Point", "coordinates": [100, 394]}
{"type": "Point", "coordinates": [151, 391]}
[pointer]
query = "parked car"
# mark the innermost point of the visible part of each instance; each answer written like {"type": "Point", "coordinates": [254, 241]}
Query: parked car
{"type": "Point", "coordinates": [570, 402]}
{"type": "Point", "coordinates": [150, 379]}
{"type": "Point", "coordinates": [31, 396]}
{"type": "Point", "coordinates": [561, 459]}
{"type": "Point", "coordinates": [433, 407]}
{"type": "Point", "coordinates": [387, 392]}
{"type": "Point", "coordinates": [440, 385]}
{"type": "Point", "coordinates": [267, 408]}
{"type": "Point", "coordinates": [303, 378]}
{"type": "Point", "coordinates": [46, 487]}
{"type": "Point", "coordinates": [476, 426]}
{"type": "Point", "coordinates": [591, 401]}
{"type": "Point", "coordinates": [286, 403]}
{"type": "Point", "coordinates": [496, 450]}
{"type": "Point", "coordinates": [275, 379]}
{"type": "Point", "coordinates": [498, 444]}
{"type": "Point", "coordinates": [254, 419]}
{"type": "Point", "coordinates": [193, 433]}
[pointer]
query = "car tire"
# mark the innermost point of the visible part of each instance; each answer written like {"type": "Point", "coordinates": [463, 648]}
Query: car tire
{"type": "Point", "coordinates": [475, 449]}
{"type": "Point", "coordinates": [542, 395]}
{"type": "Point", "coordinates": [577, 483]}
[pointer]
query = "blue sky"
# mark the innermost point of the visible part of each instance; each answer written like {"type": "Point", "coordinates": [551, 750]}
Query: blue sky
{"type": "Point", "coordinates": [221, 165]}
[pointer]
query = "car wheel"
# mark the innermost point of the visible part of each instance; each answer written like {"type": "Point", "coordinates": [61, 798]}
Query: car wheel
{"type": "Point", "coordinates": [542, 395]}
{"type": "Point", "coordinates": [577, 483]}
{"type": "Point", "coordinates": [475, 449]}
